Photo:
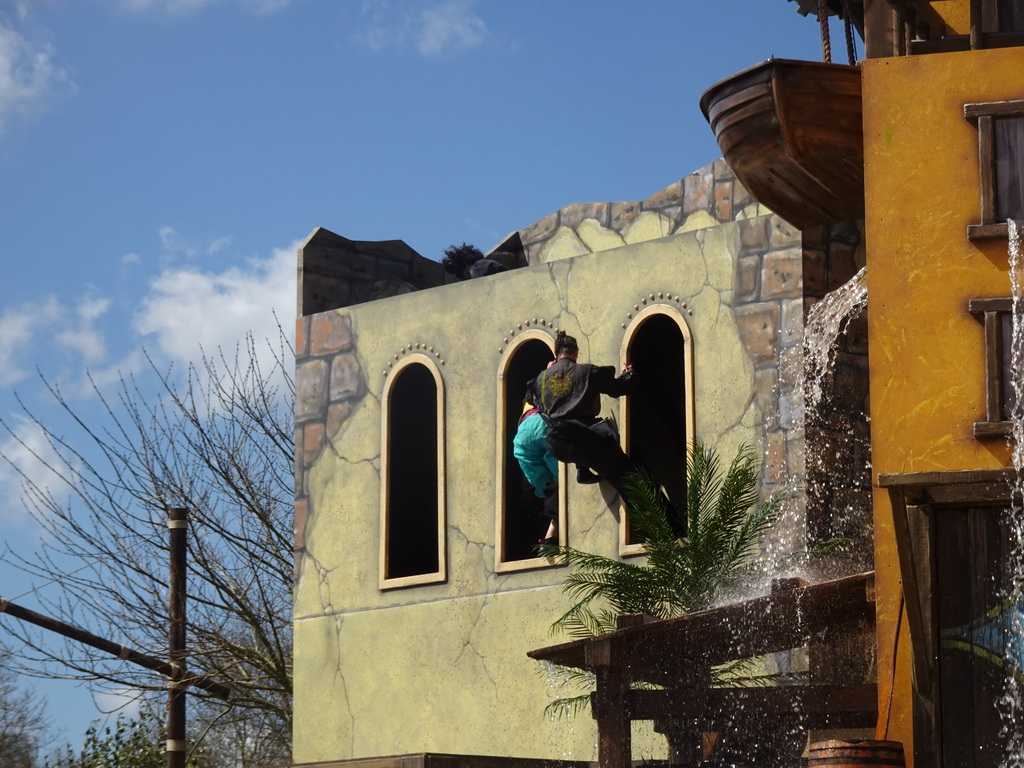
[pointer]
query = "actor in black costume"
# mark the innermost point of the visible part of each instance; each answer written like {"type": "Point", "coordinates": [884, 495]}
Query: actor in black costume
{"type": "Point", "coordinates": [568, 394]}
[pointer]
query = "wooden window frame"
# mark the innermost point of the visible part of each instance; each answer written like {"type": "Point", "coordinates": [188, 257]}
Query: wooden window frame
{"type": "Point", "coordinates": [441, 574]}
{"type": "Point", "coordinates": [532, 563]}
{"type": "Point", "coordinates": [983, 114]}
{"type": "Point", "coordinates": [989, 312]}
{"type": "Point", "coordinates": [626, 549]}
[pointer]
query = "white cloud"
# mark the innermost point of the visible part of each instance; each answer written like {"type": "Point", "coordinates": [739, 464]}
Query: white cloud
{"type": "Point", "coordinates": [29, 78]}
{"type": "Point", "coordinates": [27, 331]}
{"type": "Point", "coordinates": [185, 312]}
{"type": "Point", "coordinates": [20, 7]}
{"type": "Point", "coordinates": [27, 459]}
{"type": "Point", "coordinates": [188, 308]}
{"type": "Point", "coordinates": [19, 329]}
{"type": "Point", "coordinates": [83, 337]}
{"type": "Point", "coordinates": [173, 245]}
{"type": "Point", "coordinates": [449, 25]}
{"type": "Point", "coordinates": [186, 7]}
{"type": "Point", "coordinates": [174, 7]}
{"type": "Point", "coordinates": [124, 701]}
{"type": "Point", "coordinates": [218, 244]}
{"type": "Point", "coordinates": [430, 30]}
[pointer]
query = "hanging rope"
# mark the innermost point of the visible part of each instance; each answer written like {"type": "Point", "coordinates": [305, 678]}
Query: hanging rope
{"type": "Point", "coordinates": [851, 50]}
{"type": "Point", "coordinates": [826, 44]}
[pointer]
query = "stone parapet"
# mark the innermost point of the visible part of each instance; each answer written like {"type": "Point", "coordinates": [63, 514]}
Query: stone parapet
{"type": "Point", "coordinates": [336, 272]}
{"type": "Point", "coordinates": [710, 195]}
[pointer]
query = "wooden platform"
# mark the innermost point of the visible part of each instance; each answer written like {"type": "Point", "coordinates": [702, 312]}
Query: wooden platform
{"type": "Point", "coordinates": [792, 132]}
{"type": "Point", "coordinates": [677, 655]}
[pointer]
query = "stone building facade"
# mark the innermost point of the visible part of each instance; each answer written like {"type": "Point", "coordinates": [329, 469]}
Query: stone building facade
{"type": "Point", "coordinates": [388, 663]}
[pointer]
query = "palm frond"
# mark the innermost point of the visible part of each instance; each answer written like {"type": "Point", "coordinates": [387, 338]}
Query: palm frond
{"type": "Point", "coordinates": [724, 521]}
{"type": "Point", "coordinates": [567, 707]}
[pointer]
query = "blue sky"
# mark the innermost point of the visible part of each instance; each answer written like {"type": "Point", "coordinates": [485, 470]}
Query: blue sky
{"type": "Point", "coordinates": [160, 160]}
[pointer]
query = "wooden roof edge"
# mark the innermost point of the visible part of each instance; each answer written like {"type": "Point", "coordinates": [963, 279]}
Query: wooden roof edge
{"type": "Point", "coordinates": [945, 477]}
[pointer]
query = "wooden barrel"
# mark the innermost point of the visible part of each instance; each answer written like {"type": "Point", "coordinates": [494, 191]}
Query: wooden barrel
{"type": "Point", "coordinates": [855, 754]}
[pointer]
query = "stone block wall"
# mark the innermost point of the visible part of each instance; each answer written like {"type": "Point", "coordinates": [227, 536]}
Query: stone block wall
{"type": "Point", "coordinates": [781, 273]}
{"type": "Point", "coordinates": [329, 384]}
{"type": "Point", "coordinates": [710, 195]}
{"type": "Point", "coordinates": [336, 272]}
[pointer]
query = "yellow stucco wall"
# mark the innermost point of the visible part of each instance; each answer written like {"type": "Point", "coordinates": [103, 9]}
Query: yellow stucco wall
{"type": "Point", "coordinates": [443, 668]}
{"type": "Point", "coordinates": [955, 13]}
{"type": "Point", "coordinates": [927, 375]}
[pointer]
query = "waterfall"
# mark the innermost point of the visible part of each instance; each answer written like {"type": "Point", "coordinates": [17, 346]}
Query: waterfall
{"type": "Point", "coordinates": [826, 322]}
{"type": "Point", "coordinates": [1012, 705]}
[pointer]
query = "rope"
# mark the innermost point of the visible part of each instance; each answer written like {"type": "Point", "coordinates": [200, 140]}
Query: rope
{"type": "Point", "coordinates": [826, 44]}
{"type": "Point", "coordinates": [851, 49]}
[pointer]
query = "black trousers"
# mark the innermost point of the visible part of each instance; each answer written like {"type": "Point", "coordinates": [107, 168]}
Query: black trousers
{"type": "Point", "coordinates": [575, 444]}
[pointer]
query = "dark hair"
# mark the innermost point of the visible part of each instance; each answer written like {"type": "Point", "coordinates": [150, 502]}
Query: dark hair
{"type": "Point", "coordinates": [459, 258]}
{"type": "Point", "coordinates": [564, 343]}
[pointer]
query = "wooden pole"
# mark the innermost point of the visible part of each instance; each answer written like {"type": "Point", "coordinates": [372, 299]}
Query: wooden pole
{"type": "Point", "coordinates": [176, 734]}
{"type": "Point", "coordinates": [107, 646]}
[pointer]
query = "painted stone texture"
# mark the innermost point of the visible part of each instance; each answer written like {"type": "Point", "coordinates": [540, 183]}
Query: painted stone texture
{"type": "Point", "coordinates": [927, 372]}
{"type": "Point", "coordinates": [442, 667]}
{"type": "Point", "coordinates": [705, 198]}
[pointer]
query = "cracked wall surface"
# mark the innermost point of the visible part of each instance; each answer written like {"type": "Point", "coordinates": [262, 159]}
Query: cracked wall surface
{"type": "Point", "coordinates": [442, 667]}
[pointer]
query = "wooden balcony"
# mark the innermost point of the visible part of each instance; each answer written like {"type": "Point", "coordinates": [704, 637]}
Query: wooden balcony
{"type": "Point", "coordinates": [792, 133]}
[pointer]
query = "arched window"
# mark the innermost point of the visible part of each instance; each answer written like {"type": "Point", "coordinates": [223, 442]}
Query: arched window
{"type": "Point", "coordinates": [519, 521]}
{"type": "Point", "coordinates": [657, 422]}
{"type": "Point", "coordinates": [412, 537]}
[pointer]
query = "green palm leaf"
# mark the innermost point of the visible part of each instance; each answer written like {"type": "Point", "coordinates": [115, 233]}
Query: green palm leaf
{"type": "Point", "coordinates": [724, 519]}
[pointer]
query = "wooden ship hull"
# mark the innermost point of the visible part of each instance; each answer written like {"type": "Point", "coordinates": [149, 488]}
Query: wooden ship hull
{"type": "Point", "coordinates": [792, 133]}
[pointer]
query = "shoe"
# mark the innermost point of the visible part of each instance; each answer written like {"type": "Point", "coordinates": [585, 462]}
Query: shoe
{"type": "Point", "coordinates": [586, 476]}
{"type": "Point", "coordinates": [543, 544]}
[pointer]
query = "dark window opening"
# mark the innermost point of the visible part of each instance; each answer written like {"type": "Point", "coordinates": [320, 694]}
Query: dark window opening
{"type": "Point", "coordinates": [1009, 398]}
{"type": "Point", "coordinates": [1008, 158]}
{"type": "Point", "coordinates": [412, 506]}
{"type": "Point", "coordinates": [656, 414]}
{"type": "Point", "coordinates": [1009, 16]}
{"type": "Point", "coordinates": [522, 520]}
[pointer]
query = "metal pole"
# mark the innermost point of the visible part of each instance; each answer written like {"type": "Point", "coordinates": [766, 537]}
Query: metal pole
{"type": "Point", "coordinates": [176, 739]}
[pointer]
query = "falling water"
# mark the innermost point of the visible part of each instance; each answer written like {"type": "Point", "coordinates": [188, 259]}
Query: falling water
{"type": "Point", "coordinates": [826, 322]}
{"type": "Point", "coordinates": [1012, 709]}
{"type": "Point", "coordinates": [829, 400]}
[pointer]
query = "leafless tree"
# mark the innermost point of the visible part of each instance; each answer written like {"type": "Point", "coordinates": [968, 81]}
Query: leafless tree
{"type": "Point", "coordinates": [22, 722]}
{"type": "Point", "coordinates": [216, 440]}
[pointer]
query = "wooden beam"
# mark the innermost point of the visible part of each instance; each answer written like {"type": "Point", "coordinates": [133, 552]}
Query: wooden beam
{"type": "Point", "coordinates": [914, 596]}
{"type": "Point", "coordinates": [109, 646]}
{"type": "Point", "coordinates": [726, 708]}
{"type": "Point", "coordinates": [1007, 107]}
{"type": "Point", "coordinates": [673, 648]}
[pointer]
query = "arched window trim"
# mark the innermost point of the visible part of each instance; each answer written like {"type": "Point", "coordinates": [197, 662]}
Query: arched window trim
{"type": "Point", "coordinates": [627, 339]}
{"type": "Point", "coordinates": [441, 574]}
{"type": "Point", "coordinates": [503, 566]}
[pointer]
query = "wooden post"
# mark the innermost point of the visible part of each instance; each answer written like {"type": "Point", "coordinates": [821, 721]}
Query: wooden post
{"type": "Point", "coordinates": [611, 710]}
{"type": "Point", "coordinates": [977, 31]}
{"type": "Point", "coordinates": [176, 735]}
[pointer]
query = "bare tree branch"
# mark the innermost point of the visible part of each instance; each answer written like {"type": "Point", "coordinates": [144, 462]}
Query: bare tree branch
{"type": "Point", "coordinates": [216, 440]}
